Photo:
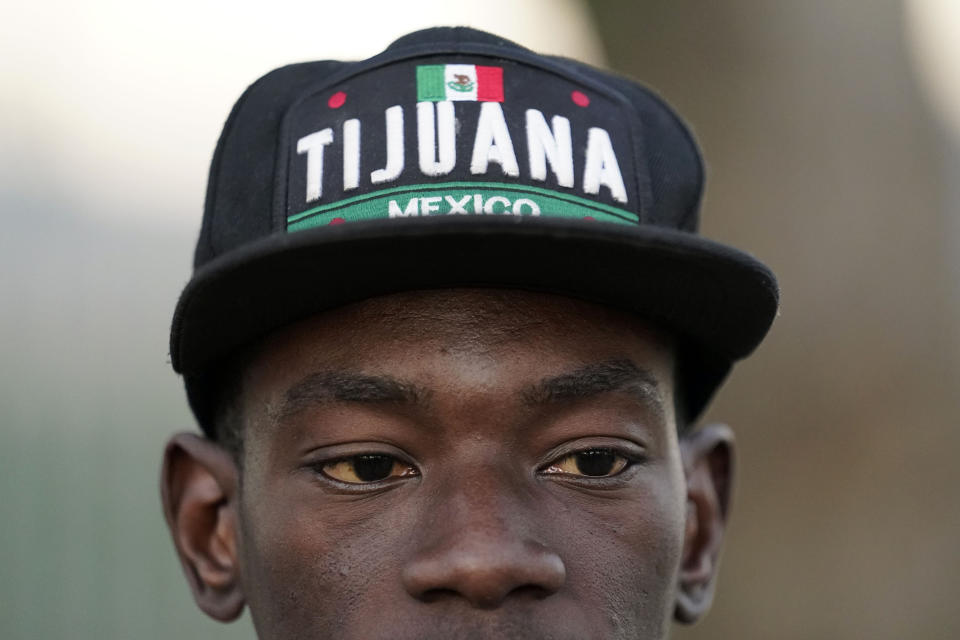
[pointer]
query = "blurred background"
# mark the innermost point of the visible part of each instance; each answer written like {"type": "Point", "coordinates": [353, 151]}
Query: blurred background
{"type": "Point", "coordinates": [832, 135]}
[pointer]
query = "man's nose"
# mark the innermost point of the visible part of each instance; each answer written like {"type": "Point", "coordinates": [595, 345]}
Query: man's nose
{"type": "Point", "coordinates": [478, 548]}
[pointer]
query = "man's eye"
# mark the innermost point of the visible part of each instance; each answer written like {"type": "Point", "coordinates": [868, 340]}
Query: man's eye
{"type": "Point", "coordinates": [367, 468]}
{"type": "Point", "coordinates": [594, 463]}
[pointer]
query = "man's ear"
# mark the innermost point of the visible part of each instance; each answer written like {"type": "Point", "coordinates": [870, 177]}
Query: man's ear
{"type": "Point", "coordinates": [708, 464]}
{"type": "Point", "coordinates": [199, 486]}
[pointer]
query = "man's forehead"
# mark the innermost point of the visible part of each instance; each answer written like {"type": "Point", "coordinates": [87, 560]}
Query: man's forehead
{"type": "Point", "coordinates": [473, 319]}
{"type": "Point", "coordinates": [496, 340]}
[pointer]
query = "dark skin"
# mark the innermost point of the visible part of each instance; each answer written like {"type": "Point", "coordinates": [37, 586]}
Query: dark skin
{"type": "Point", "coordinates": [455, 464]}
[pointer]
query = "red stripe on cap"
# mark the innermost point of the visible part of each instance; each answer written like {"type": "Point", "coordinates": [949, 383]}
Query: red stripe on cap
{"type": "Point", "coordinates": [489, 84]}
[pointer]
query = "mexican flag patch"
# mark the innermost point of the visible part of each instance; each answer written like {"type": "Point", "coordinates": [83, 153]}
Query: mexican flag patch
{"type": "Point", "coordinates": [440, 82]}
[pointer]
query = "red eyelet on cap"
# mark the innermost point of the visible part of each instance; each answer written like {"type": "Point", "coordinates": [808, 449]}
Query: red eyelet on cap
{"type": "Point", "coordinates": [336, 100]}
{"type": "Point", "coordinates": [580, 99]}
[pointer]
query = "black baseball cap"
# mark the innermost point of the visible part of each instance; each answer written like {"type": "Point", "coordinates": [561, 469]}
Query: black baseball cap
{"type": "Point", "coordinates": [456, 158]}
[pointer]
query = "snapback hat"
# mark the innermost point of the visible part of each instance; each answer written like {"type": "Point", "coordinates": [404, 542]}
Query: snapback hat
{"type": "Point", "coordinates": [456, 158]}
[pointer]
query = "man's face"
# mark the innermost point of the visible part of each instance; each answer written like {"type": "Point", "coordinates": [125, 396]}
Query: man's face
{"type": "Point", "coordinates": [469, 464]}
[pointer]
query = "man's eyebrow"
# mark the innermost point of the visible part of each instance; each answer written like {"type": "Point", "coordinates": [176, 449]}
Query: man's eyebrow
{"type": "Point", "coordinates": [593, 379]}
{"type": "Point", "coordinates": [345, 386]}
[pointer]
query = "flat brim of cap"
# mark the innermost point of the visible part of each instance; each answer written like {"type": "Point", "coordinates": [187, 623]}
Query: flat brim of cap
{"type": "Point", "coordinates": [719, 298]}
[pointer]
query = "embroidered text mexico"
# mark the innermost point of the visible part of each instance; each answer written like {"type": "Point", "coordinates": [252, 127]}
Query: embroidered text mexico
{"type": "Point", "coordinates": [471, 203]}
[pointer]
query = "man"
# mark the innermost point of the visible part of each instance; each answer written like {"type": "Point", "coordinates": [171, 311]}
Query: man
{"type": "Point", "coordinates": [448, 336]}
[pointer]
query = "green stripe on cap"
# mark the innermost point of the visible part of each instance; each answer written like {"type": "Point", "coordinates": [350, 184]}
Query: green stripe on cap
{"type": "Point", "coordinates": [458, 198]}
{"type": "Point", "coordinates": [430, 87]}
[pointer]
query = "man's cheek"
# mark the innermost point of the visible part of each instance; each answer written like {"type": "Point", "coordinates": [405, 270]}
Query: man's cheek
{"type": "Point", "coordinates": [323, 559]}
{"type": "Point", "coordinates": [627, 551]}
